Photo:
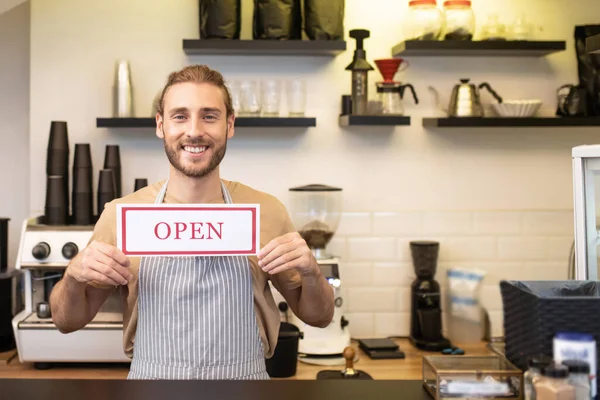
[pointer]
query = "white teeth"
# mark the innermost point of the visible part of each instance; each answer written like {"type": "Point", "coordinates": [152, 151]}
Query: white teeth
{"type": "Point", "coordinates": [195, 150]}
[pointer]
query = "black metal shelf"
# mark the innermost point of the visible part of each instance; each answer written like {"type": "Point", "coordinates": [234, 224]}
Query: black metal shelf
{"type": "Point", "coordinates": [474, 122]}
{"type": "Point", "coordinates": [373, 120]}
{"type": "Point", "coordinates": [275, 122]}
{"type": "Point", "coordinates": [592, 44]}
{"type": "Point", "coordinates": [468, 48]}
{"type": "Point", "coordinates": [264, 47]}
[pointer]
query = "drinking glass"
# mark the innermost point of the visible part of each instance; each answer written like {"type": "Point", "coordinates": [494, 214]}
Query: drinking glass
{"type": "Point", "coordinates": [235, 90]}
{"type": "Point", "coordinates": [296, 97]}
{"type": "Point", "coordinates": [271, 97]}
{"type": "Point", "coordinates": [251, 101]}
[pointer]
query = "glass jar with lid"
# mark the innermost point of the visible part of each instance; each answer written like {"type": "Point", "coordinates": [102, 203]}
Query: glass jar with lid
{"type": "Point", "coordinates": [424, 21]}
{"type": "Point", "coordinates": [459, 20]}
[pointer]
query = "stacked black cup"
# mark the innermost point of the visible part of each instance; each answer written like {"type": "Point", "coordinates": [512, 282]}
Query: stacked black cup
{"type": "Point", "coordinates": [112, 161]}
{"type": "Point", "coordinates": [83, 193]}
{"type": "Point", "coordinates": [139, 184]}
{"type": "Point", "coordinates": [106, 189]}
{"type": "Point", "coordinates": [56, 210]}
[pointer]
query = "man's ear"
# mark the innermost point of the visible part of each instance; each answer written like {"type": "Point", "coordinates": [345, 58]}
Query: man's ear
{"type": "Point", "coordinates": [230, 126]}
{"type": "Point", "coordinates": [159, 126]}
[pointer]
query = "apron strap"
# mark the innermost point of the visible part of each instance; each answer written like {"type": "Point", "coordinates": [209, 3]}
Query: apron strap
{"type": "Point", "coordinates": [161, 195]}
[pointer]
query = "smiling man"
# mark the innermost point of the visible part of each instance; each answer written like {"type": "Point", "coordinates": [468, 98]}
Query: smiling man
{"type": "Point", "coordinates": [196, 317]}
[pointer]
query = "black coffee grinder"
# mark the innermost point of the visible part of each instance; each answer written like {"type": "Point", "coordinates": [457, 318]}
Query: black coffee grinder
{"type": "Point", "coordinates": [426, 311]}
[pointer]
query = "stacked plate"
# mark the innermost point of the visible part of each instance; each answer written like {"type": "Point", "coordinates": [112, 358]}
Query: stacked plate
{"type": "Point", "coordinates": [517, 108]}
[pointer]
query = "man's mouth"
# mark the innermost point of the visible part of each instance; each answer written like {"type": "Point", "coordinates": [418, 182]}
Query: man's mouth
{"type": "Point", "coordinates": [195, 149]}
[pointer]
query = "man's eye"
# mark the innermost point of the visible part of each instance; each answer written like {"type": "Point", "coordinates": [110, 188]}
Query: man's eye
{"type": "Point", "coordinates": [179, 117]}
{"type": "Point", "coordinates": [212, 117]}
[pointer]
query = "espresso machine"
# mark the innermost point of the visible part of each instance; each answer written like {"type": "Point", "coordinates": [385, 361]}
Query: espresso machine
{"type": "Point", "coordinates": [426, 310]}
{"type": "Point", "coordinates": [47, 245]}
{"type": "Point", "coordinates": [44, 253]}
{"type": "Point", "coordinates": [316, 212]}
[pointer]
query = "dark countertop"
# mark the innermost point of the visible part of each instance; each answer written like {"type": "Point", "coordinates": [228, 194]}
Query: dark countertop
{"type": "Point", "coordinates": [249, 390]}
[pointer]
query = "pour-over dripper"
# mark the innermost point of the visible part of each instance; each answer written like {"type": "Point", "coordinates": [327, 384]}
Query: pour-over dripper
{"type": "Point", "coordinates": [316, 212]}
{"type": "Point", "coordinates": [425, 255]}
{"type": "Point", "coordinates": [389, 67]}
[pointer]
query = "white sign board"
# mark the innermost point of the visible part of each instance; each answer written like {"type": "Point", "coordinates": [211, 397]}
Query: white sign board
{"type": "Point", "coordinates": [188, 230]}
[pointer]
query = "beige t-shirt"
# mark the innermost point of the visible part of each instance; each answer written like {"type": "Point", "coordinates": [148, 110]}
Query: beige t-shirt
{"type": "Point", "coordinates": [274, 222]}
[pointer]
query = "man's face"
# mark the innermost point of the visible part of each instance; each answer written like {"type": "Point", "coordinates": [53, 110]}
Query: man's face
{"type": "Point", "coordinates": [194, 127]}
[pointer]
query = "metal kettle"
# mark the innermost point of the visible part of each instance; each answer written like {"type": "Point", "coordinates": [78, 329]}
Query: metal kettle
{"type": "Point", "coordinates": [465, 100]}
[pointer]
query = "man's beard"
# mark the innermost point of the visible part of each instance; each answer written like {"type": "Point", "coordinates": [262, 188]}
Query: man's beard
{"type": "Point", "coordinates": [192, 172]}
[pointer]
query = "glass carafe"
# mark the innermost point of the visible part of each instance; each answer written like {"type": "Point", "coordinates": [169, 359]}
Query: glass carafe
{"type": "Point", "coordinates": [391, 95]}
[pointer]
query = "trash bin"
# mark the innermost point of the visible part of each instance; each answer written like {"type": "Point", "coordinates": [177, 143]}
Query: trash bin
{"type": "Point", "coordinates": [285, 358]}
{"type": "Point", "coordinates": [535, 311]}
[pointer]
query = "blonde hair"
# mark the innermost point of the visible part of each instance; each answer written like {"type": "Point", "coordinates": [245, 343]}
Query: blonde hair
{"type": "Point", "coordinates": [197, 74]}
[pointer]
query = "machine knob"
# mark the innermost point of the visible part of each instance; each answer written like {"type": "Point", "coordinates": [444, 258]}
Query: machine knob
{"type": "Point", "coordinates": [344, 322]}
{"type": "Point", "coordinates": [70, 250]}
{"type": "Point", "coordinates": [41, 250]}
{"type": "Point", "coordinates": [283, 306]}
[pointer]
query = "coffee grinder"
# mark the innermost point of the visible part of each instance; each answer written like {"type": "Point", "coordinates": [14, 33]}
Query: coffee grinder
{"type": "Point", "coordinates": [316, 212]}
{"type": "Point", "coordinates": [426, 311]}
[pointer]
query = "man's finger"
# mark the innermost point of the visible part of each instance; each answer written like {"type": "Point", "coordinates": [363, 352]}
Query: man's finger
{"type": "Point", "coordinates": [113, 252]}
{"type": "Point", "coordinates": [106, 260]}
{"type": "Point", "coordinates": [287, 257]}
{"type": "Point", "coordinates": [273, 244]}
{"type": "Point", "coordinates": [92, 275]}
{"type": "Point", "coordinates": [108, 272]}
{"type": "Point", "coordinates": [276, 253]}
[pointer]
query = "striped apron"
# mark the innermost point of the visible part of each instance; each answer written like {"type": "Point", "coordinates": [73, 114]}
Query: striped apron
{"type": "Point", "coordinates": [196, 318]}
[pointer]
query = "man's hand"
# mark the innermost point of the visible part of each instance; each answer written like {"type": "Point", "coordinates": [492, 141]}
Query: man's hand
{"type": "Point", "coordinates": [287, 252]}
{"type": "Point", "coordinates": [102, 263]}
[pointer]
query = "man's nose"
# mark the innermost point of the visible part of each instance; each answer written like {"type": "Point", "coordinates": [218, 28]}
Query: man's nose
{"type": "Point", "coordinates": [197, 128]}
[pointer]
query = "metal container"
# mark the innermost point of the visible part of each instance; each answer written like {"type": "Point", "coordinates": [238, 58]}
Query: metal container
{"type": "Point", "coordinates": [123, 91]}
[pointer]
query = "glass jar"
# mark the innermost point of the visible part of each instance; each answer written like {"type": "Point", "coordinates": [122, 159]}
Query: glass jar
{"type": "Point", "coordinates": [534, 371]}
{"type": "Point", "coordinates": [579, 377]}
{"type": "Point", "coordinates": [423, 20]}
{"type": "Point", "coordinates": [459, 20]}
{"type": "Point", "coordinates": [554, 384]}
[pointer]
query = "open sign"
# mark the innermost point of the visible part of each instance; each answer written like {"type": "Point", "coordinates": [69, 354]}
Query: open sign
{"type": "Point", "coordinates": [188, 230]}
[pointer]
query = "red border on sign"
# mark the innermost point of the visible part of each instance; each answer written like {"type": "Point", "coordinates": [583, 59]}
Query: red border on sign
{"type": "Point", "coordinates": [170, 253]}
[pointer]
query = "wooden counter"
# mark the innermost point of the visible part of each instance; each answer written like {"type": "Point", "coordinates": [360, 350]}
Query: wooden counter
{"type": "Point", "coordinates": [118, 389]}
{"type": "Point", "coordinates": [409, 368]}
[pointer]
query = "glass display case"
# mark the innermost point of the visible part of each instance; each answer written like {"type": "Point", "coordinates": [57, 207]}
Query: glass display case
{"type": "Point", "coordinates": [586, 196]}
{"type": "Point", "coordinates": [469, 377]}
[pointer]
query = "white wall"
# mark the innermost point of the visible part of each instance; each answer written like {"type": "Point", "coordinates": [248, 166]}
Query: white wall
{"type": "Point", "coordinates": [498, 199]}
{"type": "Point", "coordinates": [14, 114]}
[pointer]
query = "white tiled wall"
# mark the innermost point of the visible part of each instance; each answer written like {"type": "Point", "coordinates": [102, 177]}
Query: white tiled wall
{"type": "Point", "coordinates": [376, 267]}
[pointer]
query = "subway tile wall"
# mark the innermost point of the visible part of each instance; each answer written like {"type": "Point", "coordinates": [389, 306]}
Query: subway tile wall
{"type": "Point", "coordinates": [376, 268]}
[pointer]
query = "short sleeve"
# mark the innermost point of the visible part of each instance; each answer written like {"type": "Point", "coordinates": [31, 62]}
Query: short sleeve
{"type": "Point", "coordinates": [288, 280]}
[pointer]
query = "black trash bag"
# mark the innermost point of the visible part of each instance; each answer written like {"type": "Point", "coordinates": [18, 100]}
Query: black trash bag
{"type": "Point", "coordinates": [551, 289]}
{"type": "Point", "coordinates": [220, 19]}
{"type": "Point", "coordinates": [588, 66]}
{"type": "Point", "coordinates": [277, 19]}
{"type": "Point", "coordinates": [324, 20]}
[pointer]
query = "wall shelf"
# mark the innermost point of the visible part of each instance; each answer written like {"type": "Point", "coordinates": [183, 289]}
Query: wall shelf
{"type": "Point", "coordinates": [381, 120]}
{"type": "Point", "coordinates": [592, 44]}
{"type": "Point", "coordinates": [474, 122]}
{"type": "Point", "coordinates": [469, 48]}
{"type": "Point", "coordinates": [264, 47]}
{"type": "Point", "coordinates": [276, 122]}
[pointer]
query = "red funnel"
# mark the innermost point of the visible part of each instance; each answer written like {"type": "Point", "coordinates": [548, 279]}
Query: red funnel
{"type": "Point", "coordinates": [388, 68]}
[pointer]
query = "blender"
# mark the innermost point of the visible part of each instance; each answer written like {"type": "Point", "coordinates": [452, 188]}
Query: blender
{"type": "Point", "coordinates": [316, 212]}
{"type": "Point", "coordinates": [390, 93]}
